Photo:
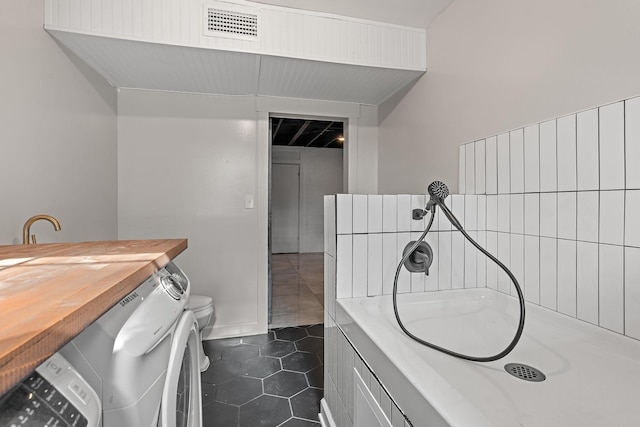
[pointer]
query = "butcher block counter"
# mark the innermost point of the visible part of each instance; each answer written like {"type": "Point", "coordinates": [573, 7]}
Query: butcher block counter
{"type": "Point", "coordinates": [49, 293]}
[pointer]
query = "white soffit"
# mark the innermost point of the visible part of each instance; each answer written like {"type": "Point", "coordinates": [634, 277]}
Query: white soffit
{"type": "Point", "coordinates": [294, 78]}
{"type": "Point", "coordinates": [163, 45]}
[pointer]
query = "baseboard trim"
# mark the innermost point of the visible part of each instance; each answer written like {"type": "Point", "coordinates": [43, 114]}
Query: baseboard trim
{"type": "Point", "coordinates": [227, 331]}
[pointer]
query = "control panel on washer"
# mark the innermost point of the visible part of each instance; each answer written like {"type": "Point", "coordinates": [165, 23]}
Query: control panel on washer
{"type": "Point", "coordinates": [54, 395]}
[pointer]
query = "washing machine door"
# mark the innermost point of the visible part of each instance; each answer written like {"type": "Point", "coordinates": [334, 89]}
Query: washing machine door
{"type": "Point", "coordinates": [181, 398]}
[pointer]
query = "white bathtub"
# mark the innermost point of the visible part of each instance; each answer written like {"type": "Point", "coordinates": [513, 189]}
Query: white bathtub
{"type": "Point", "coordinates": [593, 375]}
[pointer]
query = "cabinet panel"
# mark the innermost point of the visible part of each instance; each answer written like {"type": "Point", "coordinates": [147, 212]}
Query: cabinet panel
{"type": "Point", "coordinates": [367, 411]}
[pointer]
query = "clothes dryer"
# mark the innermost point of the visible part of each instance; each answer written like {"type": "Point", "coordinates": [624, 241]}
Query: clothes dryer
{"type": "Point", "coordinates": [139, 358]}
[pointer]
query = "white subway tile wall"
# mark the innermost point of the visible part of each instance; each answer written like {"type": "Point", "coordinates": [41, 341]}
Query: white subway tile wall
{"type": "Point", "coordinates": [390, 259]}
{"type": "Point", "coordinates": [360, 222]}
{"type": "Point", "coordinates": [611, 282]}
{"type": "Point", "coordinates": [548, 272]}
{"type": "Point", "coordinates": [516, 156]}
{"type": "Point", "coordinates": [457, 260]}
{"type": "Point", "coordinates": [632, 292]}
{"type": "Point", "coordinates": [532, 214]}
{"type": "Point", "coordinates": [389, 213]}
{"type": "Point", "coordinates": [612, 146]}
{"type": "Point", "coordinates": [566, 135]}
{"type": "Point", "coordinates": [558, 202]}
{"type": "Point", "coordinates": [374, 264]}
{"type": "Point", "coordinates": [588, 166]}
{"type": "Point", "coordinates": [482, 212]}
{"type": "Point", "coordinates": [516, 260]}
{"type": "Point", "coordinates": [580, 212]}
{"type": "Point", "coordinates": [470, 169]}
{"type": "Point", "coordinates": [548, 157]}
{"type": "Point", "coordinates": [567, 215]}
{"type": "Point", "coordinates": [632, 142]}
{"type": "Point", "coordinates": [344, 221]}
{"type": "Point", "coordinates": [588, 203]}
{"type": "Point", "coordinates": [612, 217]}
{"type": "Point", "coordinates": [504, 255]}
{"type": "Point", "coordinates": [403, 212]}
{"type": "Point", "coordinates": [471, 212]}
{"type": "Point", "coordinates": [632, 218]}
{"type": "Point", "coordinates": [548, 214]}
{"type": "Point", "coordinates": [504, 212]}
{"type": "Point", "coordinates": [374, 214]}
{"type": "Point", "coordinates": [587, 282]}
{"type": "Point", "coordinates": [344, 266]}
{"type": "Point", "coordinates": [444, 260]}
{"type": "Point", "coordinates": [481, 164]}
{"type": "Point", "coordinates": [504, 177]}
{"type": "Point", "coordinates": [531, 282]}
{"type": "Point", "coordinates": [491, 181]}
{"type": "Point", "coordinates": [491, 267]}
{"type": "Point", "coordinates": [517, 213]}
{"type": "Point", "coordinates": [481, 261]}
{"type": "Point", "coordinates": [462, 175]}
{"type": "Point", "coordinates": [567, 277]}
{"type": "Point", "coordinates": [471, 262]}
{"type": "Point", "coordinates": [532, 159]}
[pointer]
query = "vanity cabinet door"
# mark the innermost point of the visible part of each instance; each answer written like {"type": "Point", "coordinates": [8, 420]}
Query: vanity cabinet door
{"type": "Point", "coordinates": [367, 411]}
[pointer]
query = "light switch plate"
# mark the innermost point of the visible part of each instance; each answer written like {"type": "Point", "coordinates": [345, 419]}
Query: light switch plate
{"type": "Point", "coordinates": [248, 201]}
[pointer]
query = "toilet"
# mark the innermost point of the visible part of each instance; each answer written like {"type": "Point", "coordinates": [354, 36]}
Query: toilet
{"type": "Point", "coordinates": [202, 308]}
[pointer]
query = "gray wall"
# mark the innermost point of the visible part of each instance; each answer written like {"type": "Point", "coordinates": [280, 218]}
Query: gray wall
{"type": "Point", "coordinates": [320, 174]}
{"type": "Point", "coordinates": [186, 162]}
{"type": "Point", "coordinates": [57, 135]}
{"type": "Point", "coordinates": [500, 64]}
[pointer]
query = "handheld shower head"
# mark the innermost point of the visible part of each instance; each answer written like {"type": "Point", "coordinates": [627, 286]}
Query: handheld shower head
{"type": "Point", "coordinates": [438, 190]}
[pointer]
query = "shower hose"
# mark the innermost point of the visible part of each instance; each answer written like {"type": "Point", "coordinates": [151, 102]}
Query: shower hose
{"type": "Point", "coordinates": [456, 224]}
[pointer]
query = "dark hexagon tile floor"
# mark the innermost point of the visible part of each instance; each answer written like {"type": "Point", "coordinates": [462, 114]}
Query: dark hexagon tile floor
{"type": "Point", "coordinates": [269, 380]}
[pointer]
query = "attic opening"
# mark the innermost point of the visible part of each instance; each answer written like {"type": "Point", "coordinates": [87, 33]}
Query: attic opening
{"type": "Point", "coordinates": [293, 132]}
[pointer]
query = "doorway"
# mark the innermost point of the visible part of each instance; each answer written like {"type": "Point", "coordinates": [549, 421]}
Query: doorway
{"type": "Point", "coordinates": [307, 163]}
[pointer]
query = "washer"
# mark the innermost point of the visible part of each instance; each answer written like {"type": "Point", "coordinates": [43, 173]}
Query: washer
{"type": "Point", "coordinates": [53, 395]}
{"type": "Point", "coordinates": [141, 356]}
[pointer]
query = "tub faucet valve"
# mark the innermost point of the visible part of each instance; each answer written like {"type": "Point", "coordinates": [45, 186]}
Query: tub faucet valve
{"type": "Point", "coordinates": [420, 259]}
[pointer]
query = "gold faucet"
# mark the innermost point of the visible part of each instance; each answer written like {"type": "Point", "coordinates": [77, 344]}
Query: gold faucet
{"type": "Point", "coordinates": [27, 227]}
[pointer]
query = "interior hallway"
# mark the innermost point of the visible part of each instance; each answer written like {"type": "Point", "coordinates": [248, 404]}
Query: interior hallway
{"type": "Point", "coordinates": [297, 289]}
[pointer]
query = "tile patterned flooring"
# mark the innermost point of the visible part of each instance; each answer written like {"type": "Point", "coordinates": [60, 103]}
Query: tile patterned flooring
{"type": "Point", "coordinates": [274, 379]}
{"type": "Point", "coordinates": [270, 380]}
{"type": "Point", "coordinates": [297, 289]}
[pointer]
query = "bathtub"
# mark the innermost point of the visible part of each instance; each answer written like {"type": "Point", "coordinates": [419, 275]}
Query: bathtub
{"type": "Point", "coordinates": [592, 375]}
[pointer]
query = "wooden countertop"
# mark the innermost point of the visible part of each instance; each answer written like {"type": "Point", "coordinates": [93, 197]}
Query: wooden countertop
{"type": "Point", "coordinates": [49, 293]}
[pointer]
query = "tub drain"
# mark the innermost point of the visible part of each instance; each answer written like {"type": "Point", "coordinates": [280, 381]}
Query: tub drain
{"type": "Point", "coordinates": [524, 372]}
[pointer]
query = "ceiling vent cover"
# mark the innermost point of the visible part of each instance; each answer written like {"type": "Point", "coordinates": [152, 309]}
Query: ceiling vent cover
{"type": "Point", "coordinates": [229, 23]}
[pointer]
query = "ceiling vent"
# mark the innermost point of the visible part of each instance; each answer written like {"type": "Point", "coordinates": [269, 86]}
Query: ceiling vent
{"type": "Point", "coordinates": [231, 23]}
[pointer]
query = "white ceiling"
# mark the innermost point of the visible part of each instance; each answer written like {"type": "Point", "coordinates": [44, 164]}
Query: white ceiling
{"type": "Point", "coordinates": [345, 60]}
{"type": "Point", "coordinates": [142, 65]}
{"type": "Point", "coordinates": [410, 13]}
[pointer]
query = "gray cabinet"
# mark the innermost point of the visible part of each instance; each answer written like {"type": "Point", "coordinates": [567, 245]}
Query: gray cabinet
{"type": "Point", "coordinates": [367, 412]}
